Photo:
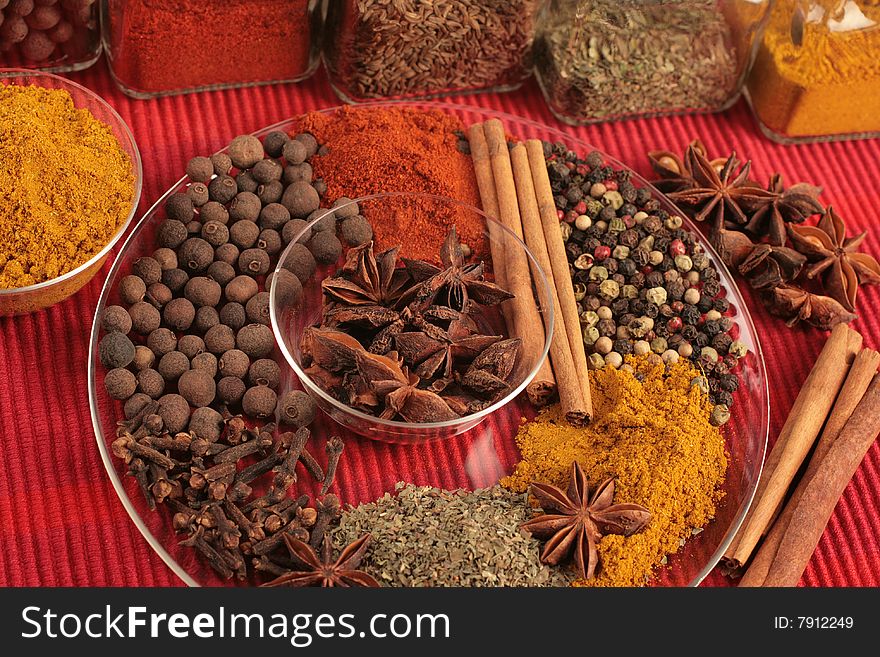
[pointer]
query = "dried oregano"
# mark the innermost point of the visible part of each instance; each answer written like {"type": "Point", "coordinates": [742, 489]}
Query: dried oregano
{"type": "Point", "coordinates": [425, 536]}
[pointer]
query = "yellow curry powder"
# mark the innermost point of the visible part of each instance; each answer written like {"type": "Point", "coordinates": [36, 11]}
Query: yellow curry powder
{"type": "Point", "coordinates": [66, 185]}
{"type": "Point", "coordinates": [830, 83]}
{"type": "Point", "coordinates": [654, 435]}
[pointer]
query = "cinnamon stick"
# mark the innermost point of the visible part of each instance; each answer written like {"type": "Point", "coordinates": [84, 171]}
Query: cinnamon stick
{"type": "Point", "coordinates": [567, 382]}
{"type": "Point", "coordinates": [559, 271]}
{"type": "Point", "coordinates": [526, 319]}
{"type": "Point", "coordinates": [863, 370]}
{"type": "Point", "coordinates": [804, 422]}
{"type": "Point", "coordinates": [823, 491]}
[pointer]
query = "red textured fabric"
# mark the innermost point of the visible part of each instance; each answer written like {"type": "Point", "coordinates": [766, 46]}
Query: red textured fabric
{"type": "Point", "coordinates": [60, 521]}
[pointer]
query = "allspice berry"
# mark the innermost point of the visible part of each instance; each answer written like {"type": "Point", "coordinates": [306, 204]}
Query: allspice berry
{"type": "Point", "coordinates": [215, 233]}
{"type": "Point", "coordinates": [256, 340]}
{"type": "Point", "coordinates": [195, 254]}
{"type": "Point", "coordinates": [200, 169]}
{"type": "Point", "coordinates": [199, 194]}
{"type": "Point", "coordinates": [147, 269]}
{"type": "Point", "coordinates": [190, 346]}
{"type": "Point", "coordinates": [230, 390]}
{"type": "Point", "coordinates": [273, 143]}
{"type": "Point", "coordinates": [267, 170]}
{"type": "Point", "coordinates": [294, 173]}
{"type": "Point", "coordinates": [220, 339]}
{"type": "Point", "coordinates": [206, 423]}
{"type": "Point", "coordinates": [121, 384]}
{"type": "Point", "coordinates": [234, 363]}
{"type": "Point", "coordinates": [221, 272]}
{"type": "Point", "coordinates": [166, 257]}
{"type": "Point", "coordinates": [116, 350]}
{"type": "Point", "coordinates": [233, 314]}
{"type": "Point", "coordinates": [245, 151]}
{"type": "Point", "coordinates": [145, 318]}
{"type": "Point", "coordinates": [297, 408]}
{"type": "Point", "coordinates": [294, 152]}
{"type": "Point", "coordinates": [246, 182]}
{"type": "Point", "coordinates": [274, 216]}
{"type": "Point", "coordinates": [296, 229]}
{"type": "Point", "coordinates": [222, 189]}
{"type": "Point", "coordinates": [322, 219]}
{"type": "Point", "coordinates": [264, 372]}
{"type": "Point", "coordinates": [222, 163]}
{"type": "Point", "coordinates": [135, 404]}
{"type": "Point", "coordinates": [356, 231]}
{"type": "Point", "coordinates": [179, 314]}
{"type": "Point", "coordinates": [308, 140]}
{"type": "Point", "coordinates": [258, 401]}
{"type": "Point", "coordinates": [162, 341]}
{"type": "Point", "coordinates": [227, 253]}
{"type": "Point", "coordinates": [175, 279]}
{"type": "Point", "coordinates": [257, 308]}
{"type": "Point", "coordinates": [143, 357]}
{"type": "Point", "coordinates": [213, 211]}
{"type": "Point", "coordinates": [151, 383]}
{"type": "Point", "coordinates": [254, 262]}
{"type": "Point", "coordinates": [115, 318]}
{"type": "Point", "coordinates": [159, 294]}
{"type": "Point", "coordinates": [203, 291]}
{"type": "Point", "coordinates": [174, 411]}
{"type": "Point", "coordinates": [205, 362]}
{"type": "Point", "coordinates": [300, 262]}
{"type": "Point", "coordinates": [172, 365]}
{"type": "Point", "coordinates": [245, 206]}
{"type": "Point", "coordinates": [288, 289]}
{"type": "Point", "coordinates": [241, 288]}
{"type": "Point", "coordinates": [301, 199]}
{"type": "Point", "coordinates": [172, 233]}
{"type": "Point", "coordinates": [132, 289]}
{"type": "Point", "coordinates": [197, 387]}
{"type": "Point", "coordinates": [179, 207]}
{"type": "Point", "coordinates": [244, 234]}
{"type": "Point", "coordinates": [344, 208]}
{"type": "Point", "coordinates": [269, 241]}
{"type": "Point", "coordinates": [326, 247]}
{"type": "Point", "coordinates": [206, 318]}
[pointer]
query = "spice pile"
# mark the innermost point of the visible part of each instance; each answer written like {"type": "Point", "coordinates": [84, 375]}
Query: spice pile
{"type": "Point", "coordinates": [742, 210]}
{"type": "Point", "coordinates": [600, 59]}
{"type": "Point", "coordinates": [380, 150]}
{"type": "Point", "coordinates": [38, 30]}
{"type": "Point", "coordinates": [428, 47]}
{"type": "Point", "coordinates": [66, 184]}
{"type": "Point", "coordinates": [425, 536]}
{"type": "Point", "coordinates": [405, 342]}
{"type": "Point", "coordinates": [652, 432]}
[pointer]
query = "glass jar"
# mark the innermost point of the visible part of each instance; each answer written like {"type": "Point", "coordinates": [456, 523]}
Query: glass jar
{"type": "Point", "coordinates": [817, 71]}
{"type": "Point", "coordinates": [423, 48]}
{"type": "Point", "coordinates": [161, 47]}
{"type": "Point", "coordinates": [598, 60]}
{"type": "Point", "coordinates": [52, 35]}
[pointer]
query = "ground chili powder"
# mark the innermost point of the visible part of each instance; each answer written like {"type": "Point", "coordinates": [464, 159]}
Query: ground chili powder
{"type": "Point", "coordinates": [384, 149]}
{"type": "Point", "coordinates": [157, 46]}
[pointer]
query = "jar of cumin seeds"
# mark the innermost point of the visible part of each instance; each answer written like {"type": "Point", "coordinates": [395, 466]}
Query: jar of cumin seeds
{"type": "Point", "coordinates": [600, 60]}
{"type": "Point", "coordinates": [423, 48]}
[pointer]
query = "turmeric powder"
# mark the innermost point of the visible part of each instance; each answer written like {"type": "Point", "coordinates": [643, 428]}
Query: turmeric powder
{"type": "Point", "coordinates": [651, 431]}
{"type": "Point", "coordinates": [65, 182]}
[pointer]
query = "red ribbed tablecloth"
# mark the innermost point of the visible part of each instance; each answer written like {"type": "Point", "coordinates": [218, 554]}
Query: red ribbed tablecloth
{"type": "Point", "coordinates": [61, 523]}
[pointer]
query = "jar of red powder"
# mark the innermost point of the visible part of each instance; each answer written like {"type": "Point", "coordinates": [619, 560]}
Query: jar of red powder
{"type": "Point", "coordinates": [161, 47]}
{"type": "Point", "coordinates": [53, 35]}
{"type": "Point", "coordinates": [423, 48]}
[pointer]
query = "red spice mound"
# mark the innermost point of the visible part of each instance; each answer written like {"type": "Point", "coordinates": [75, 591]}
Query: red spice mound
{"type": "Point", "coordinates": [373, 150]}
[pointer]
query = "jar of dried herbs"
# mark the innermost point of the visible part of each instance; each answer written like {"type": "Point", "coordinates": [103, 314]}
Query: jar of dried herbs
{"type": "Point", "coordinates": [816, 73]}
{"type": "Point", "coordinates": [598, 60]}
{"type": "Point", "coordinates": [418, 48]}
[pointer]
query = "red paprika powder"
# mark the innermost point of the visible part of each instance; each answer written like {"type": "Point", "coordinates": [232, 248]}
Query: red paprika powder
{"type": "Point", "coordinates": [166, 46]}
{"type": "Point", "coordinates": [373, 150]}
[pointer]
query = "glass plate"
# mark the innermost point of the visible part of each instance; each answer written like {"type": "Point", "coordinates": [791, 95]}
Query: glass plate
{"type": "Point", "coordinates": [474, 459]}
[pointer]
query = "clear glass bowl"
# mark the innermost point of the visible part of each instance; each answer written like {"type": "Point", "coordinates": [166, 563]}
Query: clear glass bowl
{"type": "Point", "coordinates": [291, 319]}
{"type": "Point", "coordinates": [473, 459]}
{"type": "Point", "coordinates": [27, 299]}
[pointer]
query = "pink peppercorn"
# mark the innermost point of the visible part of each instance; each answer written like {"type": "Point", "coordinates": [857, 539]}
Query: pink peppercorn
{"type": "Point", "coordinates": [602, 252]}
{"type": "Point", "coordinates": [677, 248]}
{"type": "Point", "coordinates": [611, 185]}
{"type": "Point", "coordinates": [560, 214]}
{"type": "Point", "coordinates": [674, 324]}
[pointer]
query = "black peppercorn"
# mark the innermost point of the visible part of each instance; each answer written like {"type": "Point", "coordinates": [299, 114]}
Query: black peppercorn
{"type": "Point", "coordinates": [120, 383]}
{"type": "Point", "coordinates": [145, 318]}
{"type": "Point", "coordinates": [724, 397]}
{"type": "Point", "coordinates": [688, 332]}
{"type": "Point", "coordinates": [606, 327]}
{"type": "Point", "coordinates": [195, 254]}
{"type": "Point", "coordinates": [620, 306]}
{"type": "Point", "coordinates": [690, 315]}
{"type": "Point", "coordinates": [721, 343]}
{"type": "Point", "coordinates": [179, 314]}
{"type": "Point", "coordinates": [259, 401]}
{"type": "Point", "coordinates": [701, 340]}
{"type": "Point", "coordinates": [623, 347]}
{"type": "Point", "coordinates": [712, 287]}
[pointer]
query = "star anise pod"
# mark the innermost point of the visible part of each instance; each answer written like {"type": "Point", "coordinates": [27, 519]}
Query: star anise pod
{"type": "Point", "coordinates": [794, 304]}
{"type": "Point", "coordinates": [792, 205]}
{"type": "Point", "coordinates": [674, 173]}
{"type": "Point", "coordinates": [324, 570]}
{"type": "Point", "coordinates": [769, 266]}
{"type": "Point", "coordinates": [488, 373]}
{"type": "Point", "coordinates": [454, 284]}
{"type": "Point", "coordinates": [833, 254]}
{"type": "Point", "coordinates": [368, 279]}
{"type": "Point", "coordinates": [579, 521]}
{"type": "Point", "coordinates": [726, 195]}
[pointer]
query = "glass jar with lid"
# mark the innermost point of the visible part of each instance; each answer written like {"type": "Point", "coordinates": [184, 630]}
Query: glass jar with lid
{"type": "Point", "coordinates": [424, 48]}
{"type": "Point", "coordinates": [598, 60]}
{"type": "Point", "coordinates": [817, 71]}
{"type": "Point", "coordinates": [51, 35]}
{"type": "Point", "coordinates": [161, 47]}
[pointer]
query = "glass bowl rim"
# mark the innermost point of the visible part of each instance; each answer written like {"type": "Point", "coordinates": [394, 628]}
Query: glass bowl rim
{"type": "Point", "coordinates": [137, 170]}
{"type": "Point", "coordinates": [510, 119]}
{"type": "Point", "coordinates": [547, 317]}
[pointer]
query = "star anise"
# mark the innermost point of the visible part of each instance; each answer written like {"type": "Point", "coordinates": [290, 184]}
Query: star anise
{"type": "Point", "coordinates": [454, 284]}
{"type": "Point", "coordinates": [726, 195]}
{"type": "Point", "coordinates": [833, 254]}
{"type": "Point", "coordinates": [794, 304]}
{"type": "Point", "coordinates": [792, 205]}
{"type": "Point", "coordinates": [578, 521]}
{"type": "Point", "coordinates": [368, 279]}
{"type": "Point", "coordinates": [674, 173]}
{"type": "Point", "coordinates": [324, 570]}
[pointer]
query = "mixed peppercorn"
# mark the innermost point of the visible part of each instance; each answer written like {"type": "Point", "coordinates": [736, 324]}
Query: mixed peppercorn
{"type": "Point", "coordinates": [643, 283]}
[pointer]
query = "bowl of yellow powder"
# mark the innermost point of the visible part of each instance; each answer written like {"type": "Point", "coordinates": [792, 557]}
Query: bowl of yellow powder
{"type": "Point", "coordinates": [70, 182]}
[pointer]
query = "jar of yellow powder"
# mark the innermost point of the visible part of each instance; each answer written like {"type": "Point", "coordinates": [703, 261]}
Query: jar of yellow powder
{"type": "Point", "coordinates": [817, 72]}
